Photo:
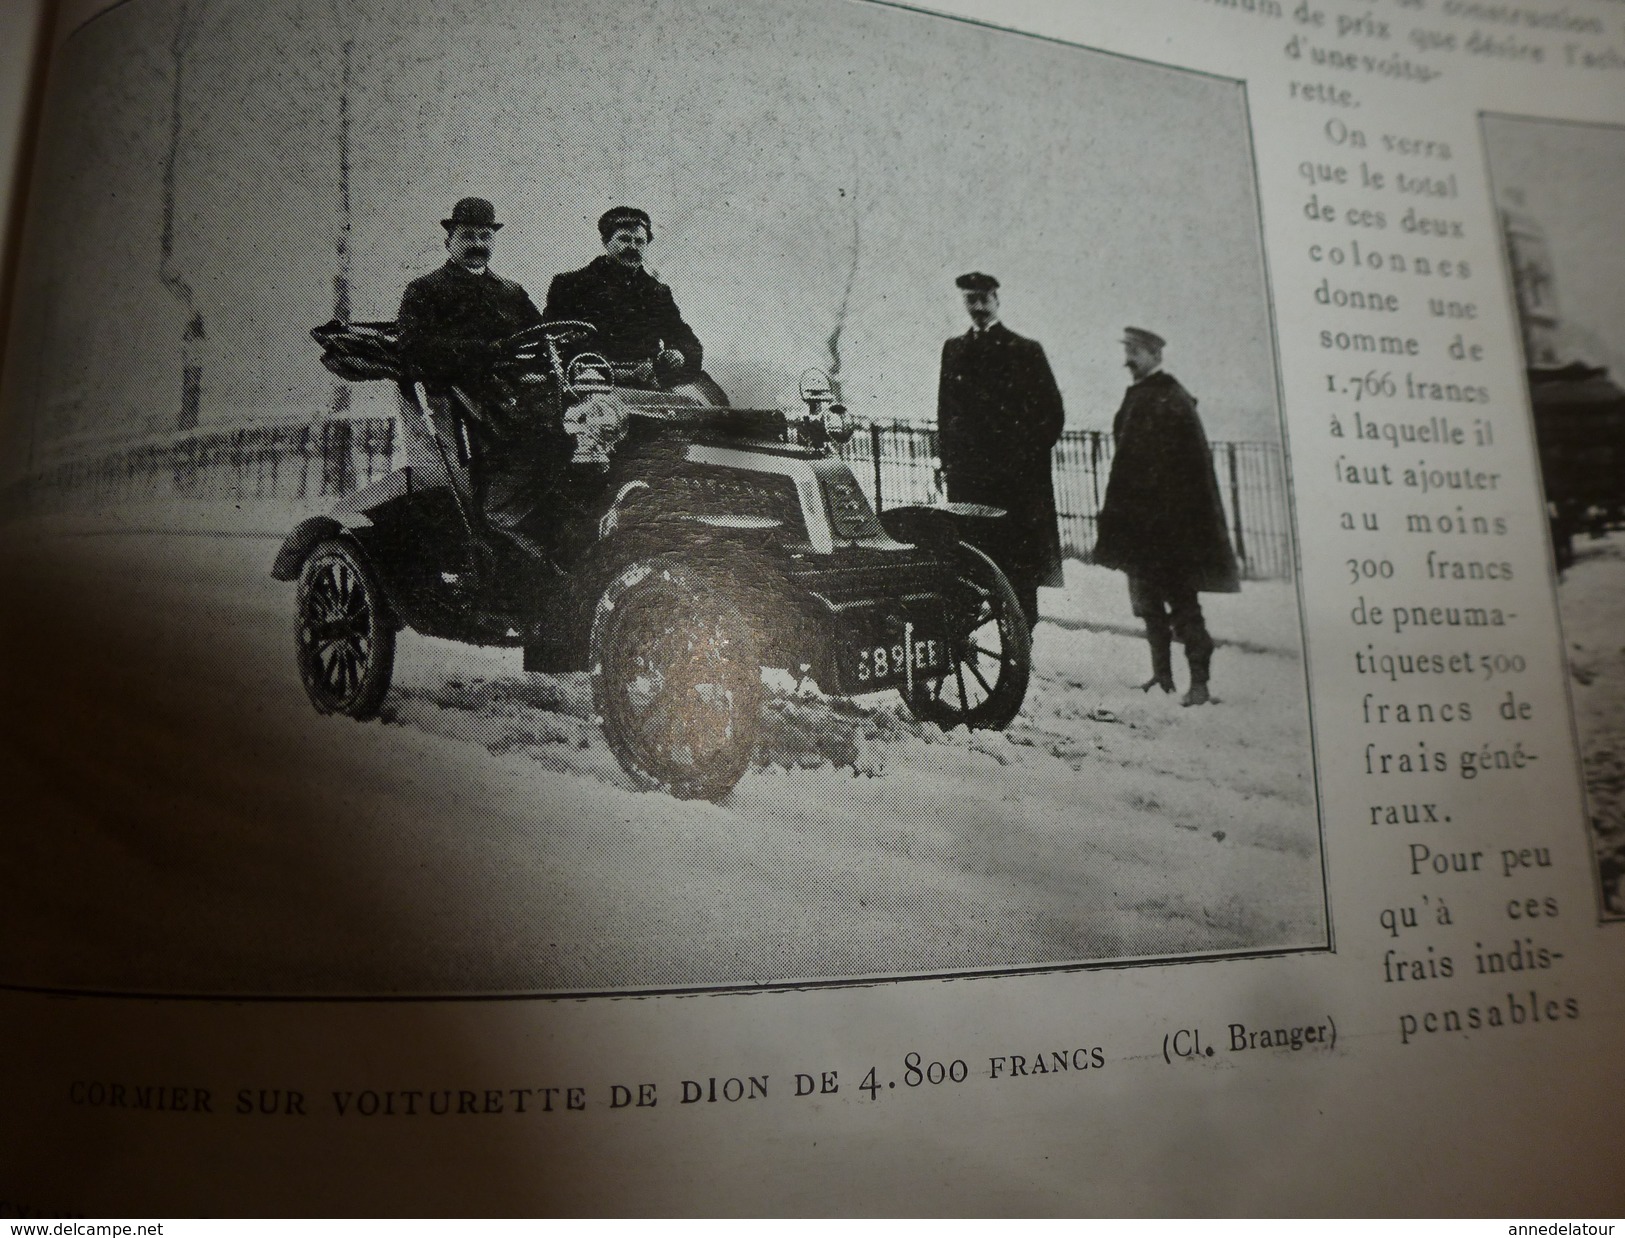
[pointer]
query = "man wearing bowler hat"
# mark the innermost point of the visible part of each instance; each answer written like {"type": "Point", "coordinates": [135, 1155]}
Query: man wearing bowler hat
{"type": "Point", "coordinates": [999, 415]}
{"type": "Point", "coordinates": [639, 325]}
{"type": "Point", "coordinates": [451, 323]}
{"type": "Point", "coordinates": [1162, 522]}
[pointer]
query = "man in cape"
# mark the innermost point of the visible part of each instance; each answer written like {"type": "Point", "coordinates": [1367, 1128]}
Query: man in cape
{"type": "Point", "coordinates": [1162, 522]}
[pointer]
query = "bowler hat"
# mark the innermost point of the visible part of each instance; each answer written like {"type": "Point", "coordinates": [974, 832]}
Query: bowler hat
{"type": "Point", "coordinates": [976, 281]}
{"type": "Point", "coordinates": [475, 212]}
{"type": "Point", "coordinates": [1146, 339]}
{"type": "Point", "coordinates": [620, 217]}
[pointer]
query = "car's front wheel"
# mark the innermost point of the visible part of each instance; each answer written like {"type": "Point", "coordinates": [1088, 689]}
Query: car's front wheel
{"type": "Point", "coordinates": [990, 651]}
{"type": "Point", "coordinates": [677, 678]}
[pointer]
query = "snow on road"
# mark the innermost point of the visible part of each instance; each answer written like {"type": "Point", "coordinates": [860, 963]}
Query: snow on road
{"type": "Point", "coordinates": [481, 836]}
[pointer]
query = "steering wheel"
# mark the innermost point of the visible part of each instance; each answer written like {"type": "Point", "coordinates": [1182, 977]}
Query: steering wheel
{"type": "Point", "coordinates": [523, 347]}
{"type": "Point", "coordinates": [561, 331]}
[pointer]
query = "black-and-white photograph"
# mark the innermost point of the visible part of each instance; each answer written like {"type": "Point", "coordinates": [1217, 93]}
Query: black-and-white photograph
{"type": "Point", "coordinates": [541, 498]}
{"type": "Point", "coordinates": [1561, 190]}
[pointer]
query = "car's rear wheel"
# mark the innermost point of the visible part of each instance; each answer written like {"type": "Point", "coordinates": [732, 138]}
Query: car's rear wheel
{"type": "Point", "coordinates": [990, 652]}
{"type": "Point", "coordinates": [677, 678]}
{"type": "Point", "coordinates": [344, 637]}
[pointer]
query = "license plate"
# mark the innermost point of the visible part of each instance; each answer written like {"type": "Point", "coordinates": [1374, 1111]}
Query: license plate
{"type": "Point", "coordinates": [913, 655]}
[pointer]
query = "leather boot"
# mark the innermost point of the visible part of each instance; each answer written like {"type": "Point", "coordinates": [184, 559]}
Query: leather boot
{"type": "Point", "coordinates": [1162, 662]}
{"type": "Point", "coordinates": [1200, 660]}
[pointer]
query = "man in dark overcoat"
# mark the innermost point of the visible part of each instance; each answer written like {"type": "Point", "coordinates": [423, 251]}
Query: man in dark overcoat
{"type": "Point", "coordinates": [1162, 522]}
{"type": "Point", "coordinates": [639, 324]}
{"type": "Point", "coordinates": [999, 416]}
{"type": "Point", "coordinates": [451, 324]}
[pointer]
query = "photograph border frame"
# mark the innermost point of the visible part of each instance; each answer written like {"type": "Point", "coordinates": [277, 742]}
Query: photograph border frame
{"type": "Point", "coordinates": [1294, 556]}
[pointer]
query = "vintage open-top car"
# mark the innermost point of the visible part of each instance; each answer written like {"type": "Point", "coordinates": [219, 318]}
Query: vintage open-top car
{"type": "Point", "coordinates": [701, 544]}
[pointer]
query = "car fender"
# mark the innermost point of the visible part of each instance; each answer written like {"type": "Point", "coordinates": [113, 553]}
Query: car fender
{"type": "Point", "coordinates": [291, 557]}
{"type": "Point", "coordinates": [290, 560]}
{"type": "Point", "coordinates": [940, 526]}
{"type": "Point", "coordinates": [757, 584]}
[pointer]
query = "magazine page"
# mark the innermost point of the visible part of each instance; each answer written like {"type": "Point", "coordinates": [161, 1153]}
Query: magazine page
{"type": "Point", "coordinates": [816, 608]}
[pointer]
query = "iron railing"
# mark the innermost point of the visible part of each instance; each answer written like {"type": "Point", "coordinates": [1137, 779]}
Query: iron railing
{"type": "Point", "coordinates": [894, 462]}
{"type": "Point", "coordinates": [269, 461]}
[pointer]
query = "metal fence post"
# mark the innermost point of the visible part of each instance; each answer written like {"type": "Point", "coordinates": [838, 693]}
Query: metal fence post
{"type": "Point", "coordinates": [1235, 504]}
{"type": "Point", "coordinates": [338, 470]}
{"type": "Point", "coordinates": [874, 452]}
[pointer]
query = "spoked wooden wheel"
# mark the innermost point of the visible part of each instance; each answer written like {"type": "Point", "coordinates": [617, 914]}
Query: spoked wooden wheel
{"type": "Point", "coordinates": [344, 638]}
{"type": "Point", "coordinates": [990, 652]}
{"type": "Point", "coordinates": [676, 679]}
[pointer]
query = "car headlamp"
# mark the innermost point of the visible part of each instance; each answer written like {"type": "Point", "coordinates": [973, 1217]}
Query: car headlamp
{"type": "Point", "coordinates": [816, 391]}
{"type": "Point", "coordinates": [838, 426]}
{"type": "Point", "coordinates": [589, 375]}
{"type": "Point", "coordinates": [827, 420]}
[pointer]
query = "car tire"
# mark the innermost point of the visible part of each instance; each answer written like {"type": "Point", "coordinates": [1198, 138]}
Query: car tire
{"type": "Point", "coordinates": [990, 652]}
{"type": "Point", "coordinates": [344, 632]}
{"type": "Point", "coordinates": [677, 678]}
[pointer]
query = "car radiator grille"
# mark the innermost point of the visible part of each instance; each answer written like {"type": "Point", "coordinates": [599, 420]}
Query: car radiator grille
{"type": "Point", "coordinates": [889, 576]}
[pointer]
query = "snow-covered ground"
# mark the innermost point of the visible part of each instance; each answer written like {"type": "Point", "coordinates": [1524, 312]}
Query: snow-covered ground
{"type": "Point", "coordinates": [1591, 600]}
{"type": "Point", "coordinates": [481, 837]}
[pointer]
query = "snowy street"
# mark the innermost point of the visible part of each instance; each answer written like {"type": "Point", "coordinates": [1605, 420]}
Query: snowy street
{"type": "Point", "coordinates": [482, 838]}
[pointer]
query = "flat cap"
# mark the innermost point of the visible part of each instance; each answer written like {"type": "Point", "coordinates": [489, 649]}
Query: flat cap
{"type": "Point", "coordinates": [620, 217]}
{"type": "Point", "coordinates": [976, 281]}
{"type": "Point", "coordinates": [475, 212]}
{"type": "Point", "coordinates": [1147, 339]}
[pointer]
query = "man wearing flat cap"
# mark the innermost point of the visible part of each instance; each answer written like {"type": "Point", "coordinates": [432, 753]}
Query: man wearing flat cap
{"type": "Point", "coordinates": [1162, 522]}
{"type": "Point", "coordinates": [451, 323]}
{"type": "Point", "coordinates": [639, 325]}
{"type": "Point", "coordinates": [999, 416]}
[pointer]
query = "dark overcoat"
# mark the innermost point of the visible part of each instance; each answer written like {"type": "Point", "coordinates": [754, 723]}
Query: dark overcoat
{"type": "Point", "coordinates": [1162, 519]}
{"type": "Point", "coordinates": [999, 416]}
{"type": "Point", "coordinates": [635, 313]}
{"type": "Point", "coordinates": [448, 321]}
{"type": "Point", "coordinates": [451, 316]}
